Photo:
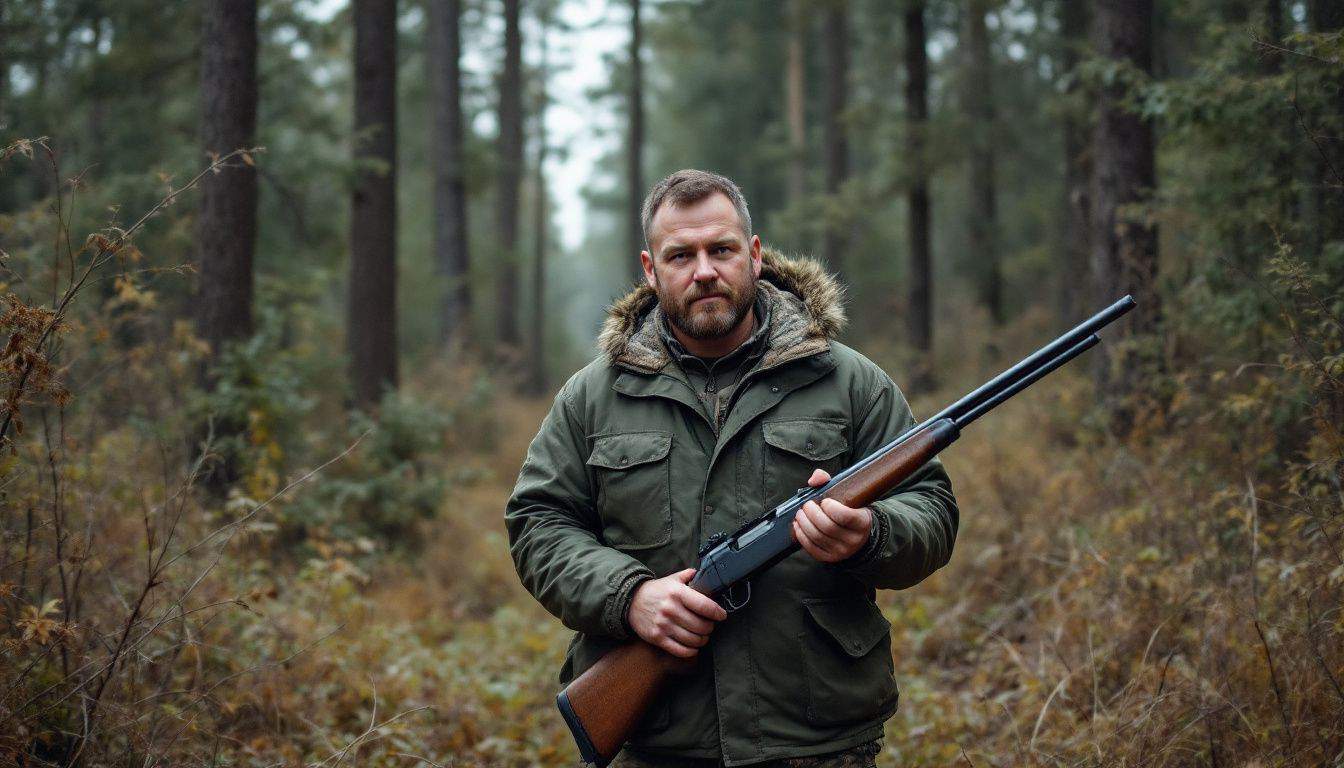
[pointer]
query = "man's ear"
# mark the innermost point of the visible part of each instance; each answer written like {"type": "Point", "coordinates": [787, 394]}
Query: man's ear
{"type": "Point", "coordinates": [755, 256]}
{"type": "Point", "coordinates": [647, 262]}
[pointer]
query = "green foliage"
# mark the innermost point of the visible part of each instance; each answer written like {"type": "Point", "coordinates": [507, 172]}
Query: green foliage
{"type": "Point", "coordinates": [386, 485]}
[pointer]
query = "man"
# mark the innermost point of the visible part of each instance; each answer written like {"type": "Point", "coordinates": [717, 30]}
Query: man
{"type": "Point", "coordinates": [718, 392]}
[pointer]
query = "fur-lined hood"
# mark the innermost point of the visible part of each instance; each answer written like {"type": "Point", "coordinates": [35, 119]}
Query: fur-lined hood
{"type": "Point", "coordinates": [806, 310]}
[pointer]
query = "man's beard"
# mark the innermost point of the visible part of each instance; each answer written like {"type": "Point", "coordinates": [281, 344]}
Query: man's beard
{"type": "Point", "coordinates": [713, 321]}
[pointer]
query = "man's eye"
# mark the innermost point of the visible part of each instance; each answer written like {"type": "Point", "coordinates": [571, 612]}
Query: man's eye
{"type": "Point", "coordinates": [720, 249]}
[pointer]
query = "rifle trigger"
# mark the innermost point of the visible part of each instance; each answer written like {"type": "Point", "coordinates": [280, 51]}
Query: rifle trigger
{"type": "Point", "coordinates": [729, 604]}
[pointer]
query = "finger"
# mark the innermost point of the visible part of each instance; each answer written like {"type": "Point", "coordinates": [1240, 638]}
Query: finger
{"type": "Point", "coordinates": [819, 478]}
{"type": "Point", "coordinates": [809, 529]}
{"type": "Point", "coordinates": [689, 621]}
{"type": "Point", "coordinates": [845, 517]}
{"type": "Point", "coordinates": [822, 524]}
{"type": "Point", "coordinates": [815, 552]}
{"type": "Point", "coordinates": [684, 576]}
{"type": "Point", "coordinates": [677, 649]}
{"type": "Point", "coordinates": [701, 605]}
{"type": "Point", "coordinates": [687, 638]}
{"type": "Point", "coordinates": [825, 523]}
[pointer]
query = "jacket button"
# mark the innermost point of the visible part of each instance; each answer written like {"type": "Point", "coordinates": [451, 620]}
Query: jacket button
{"type": "Point", "coordinates": [810, 446]}
{"type": "Point", "coordinates": [774, 389]}
{"type": "Point", "coordinates": [625, 459]}
{"type": "Point", "coordinates": [709, 509]}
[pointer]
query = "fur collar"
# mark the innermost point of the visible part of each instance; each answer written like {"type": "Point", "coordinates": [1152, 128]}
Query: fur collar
{"type": "Point", "coordinates": [807, 309]}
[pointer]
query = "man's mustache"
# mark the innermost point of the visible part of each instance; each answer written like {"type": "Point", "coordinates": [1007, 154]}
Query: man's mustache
{"type": "Point", "coordinates": [707, 293]}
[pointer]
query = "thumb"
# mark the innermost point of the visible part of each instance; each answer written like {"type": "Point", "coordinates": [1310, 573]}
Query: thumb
{"type": "Point", "coordinates": [819, 478]}
{"type": "Point", "coordinates": [684, 576]}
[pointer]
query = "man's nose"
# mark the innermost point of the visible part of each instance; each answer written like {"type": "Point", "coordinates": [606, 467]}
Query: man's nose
{"type": "Point", "coordinates": [704, 267]}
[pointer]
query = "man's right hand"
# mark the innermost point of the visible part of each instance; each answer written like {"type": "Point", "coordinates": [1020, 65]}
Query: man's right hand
{"type": "Point", "coordinates": [667, 613]}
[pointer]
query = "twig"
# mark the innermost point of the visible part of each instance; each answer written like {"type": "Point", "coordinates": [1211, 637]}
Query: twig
{"type": "Point", "coordinates": [106, 249]}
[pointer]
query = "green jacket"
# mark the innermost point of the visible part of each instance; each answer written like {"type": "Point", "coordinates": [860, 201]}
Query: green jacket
{"type": "Point", "coordinates": [626, 478]}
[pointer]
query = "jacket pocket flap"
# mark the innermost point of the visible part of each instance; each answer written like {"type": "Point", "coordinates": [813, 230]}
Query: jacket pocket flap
{"type": "Point", "coordinates": [629, 449]}
{"type": "Point", "coordinates": [814, 439]}
{"type": "Point", "coordinates": [856, 624]}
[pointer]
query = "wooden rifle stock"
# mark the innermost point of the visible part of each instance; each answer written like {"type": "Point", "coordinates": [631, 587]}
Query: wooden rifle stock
{"type": "Point", "coordinates": [604, 704]}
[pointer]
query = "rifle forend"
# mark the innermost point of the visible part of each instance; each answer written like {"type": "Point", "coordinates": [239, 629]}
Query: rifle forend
{"type": "Point", "coordinates": [603, 705]}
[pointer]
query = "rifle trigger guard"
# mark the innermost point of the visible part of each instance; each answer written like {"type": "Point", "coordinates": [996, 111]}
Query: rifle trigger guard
{"type": "Point", "coordinates": [729, 603]}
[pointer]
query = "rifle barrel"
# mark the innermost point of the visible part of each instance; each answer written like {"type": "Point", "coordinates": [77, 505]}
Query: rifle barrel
{"type": "Point", "coordinates": [1028, 370]}
{"type": "Point", "coordinates": [1027, 381]}
{"type": "Point", "coordinates": [1037, 359]}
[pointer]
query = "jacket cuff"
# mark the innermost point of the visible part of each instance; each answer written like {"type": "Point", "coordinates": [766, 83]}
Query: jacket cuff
{"type": "Point", "coordinates": [877, 539]}
{"type": "Point", "coordinates": [614, 617]}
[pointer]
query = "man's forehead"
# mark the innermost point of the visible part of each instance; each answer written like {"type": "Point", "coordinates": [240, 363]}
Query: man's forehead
{"type": "Point", "coordinates": [709, 219]}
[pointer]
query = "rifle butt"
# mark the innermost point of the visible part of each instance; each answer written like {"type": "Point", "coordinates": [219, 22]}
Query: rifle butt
{"type": "Point", "coordinates": [603, 705]}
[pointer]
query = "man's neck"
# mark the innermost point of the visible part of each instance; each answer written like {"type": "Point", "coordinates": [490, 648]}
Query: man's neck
{"type": "Point", "coordinates": [721, 345]}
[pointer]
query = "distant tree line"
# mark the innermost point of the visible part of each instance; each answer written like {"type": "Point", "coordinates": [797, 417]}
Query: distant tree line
{"type": "Point", "coordinates": [989, 154]}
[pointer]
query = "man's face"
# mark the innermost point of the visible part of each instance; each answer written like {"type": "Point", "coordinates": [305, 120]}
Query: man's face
{"type": "Point", "coordinates": [702, 266]}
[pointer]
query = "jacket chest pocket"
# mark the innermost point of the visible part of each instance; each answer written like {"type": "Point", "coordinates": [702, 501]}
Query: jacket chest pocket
{"type": "Point", "coordinates": [634, 483]}
{"type": "Point", "coordinates": [847, 652]}
{"type": "Point", "coordinates": [795, 447]}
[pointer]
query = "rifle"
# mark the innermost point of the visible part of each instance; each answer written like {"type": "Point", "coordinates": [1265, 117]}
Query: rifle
{"type": "Point", "coordinates": [603, 705]}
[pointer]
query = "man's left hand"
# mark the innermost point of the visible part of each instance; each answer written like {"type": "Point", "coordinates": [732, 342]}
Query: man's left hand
{"type": "Point", "coordinates": [830, 531]}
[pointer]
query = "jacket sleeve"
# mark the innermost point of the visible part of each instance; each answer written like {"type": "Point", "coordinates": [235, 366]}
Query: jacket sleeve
{"type": "Point", "coordinates": [554, 533]}
{"type": "Point", "coordinates": [915, 525]}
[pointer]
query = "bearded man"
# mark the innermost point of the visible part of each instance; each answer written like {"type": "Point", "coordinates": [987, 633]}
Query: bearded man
{"type": "Point", "coordinates": [720, 389]}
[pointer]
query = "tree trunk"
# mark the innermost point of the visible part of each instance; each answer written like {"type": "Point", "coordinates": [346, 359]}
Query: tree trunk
{"type": "Point", "coordinates": [635, 148]}
{"type": "Point", "coordinates": [1124, 247]}
{"type": "Point", "coordinates": [795, 99]}
{"type": "Point", "coordinates": [226, 228]}
{"type": "Point", "coordinates": [452, 257]}
{"type": "Point", "coordinates": [226, 225]}
{"type": "Point", "coordinates": [837, 142]}
{"type": "Point", "coordinates": [919, 318]}
{"type": "Point", "coordinates": [1284, 160]}
{"type": "Point", "coordinates": [537, 358]}
{"type": "Point", "coordinates": [982, 224]}
{"type": "Point", "coordinates": [1073, 268]}
{"type": "Point", "coordinates": [510, 149]}
{"type": "Point", "coordinates": [372, 321]}
{"type": "Point", "coordinates": [7, 190]}
{"type": "Point", "coordinates": [1328, 16]}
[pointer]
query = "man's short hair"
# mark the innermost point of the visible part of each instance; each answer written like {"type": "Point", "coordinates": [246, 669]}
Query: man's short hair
{"type": "Point", "coordinates": [689, 186]}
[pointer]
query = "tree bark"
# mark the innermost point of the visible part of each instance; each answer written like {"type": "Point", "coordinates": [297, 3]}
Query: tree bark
{"type": "Point", "coordinates": [1073, 268]}
{"type": "Point", "coordinates": [982, 224]}
{"type": "Point", "coordinates": [226, 228]}
{"type": "Point", "coordinates": [537, 358]}
{"type": "Point", "coordinates": [635, 147]}
{"type": "Point", "coordinates": [451, 247]}
{"type": "Point", "coordinates": [7, 190]}
{"type": "Point", "coordinates": [795, 100]}
{"type": "Point", "coordinates": [919, 318]}
{"type": "Point", "coordinates": [835, 134]}
{"type": "Point", "coordinates": [1284, 160]}
{"type": "Point", "coordinates": [510, 151]}
{"type": "Point", "coordinates": [1124, 247]}
{"type": "Point", "coordinates": [372, 320]}
{"type": "Point", "coordinates": [1328, 16]}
